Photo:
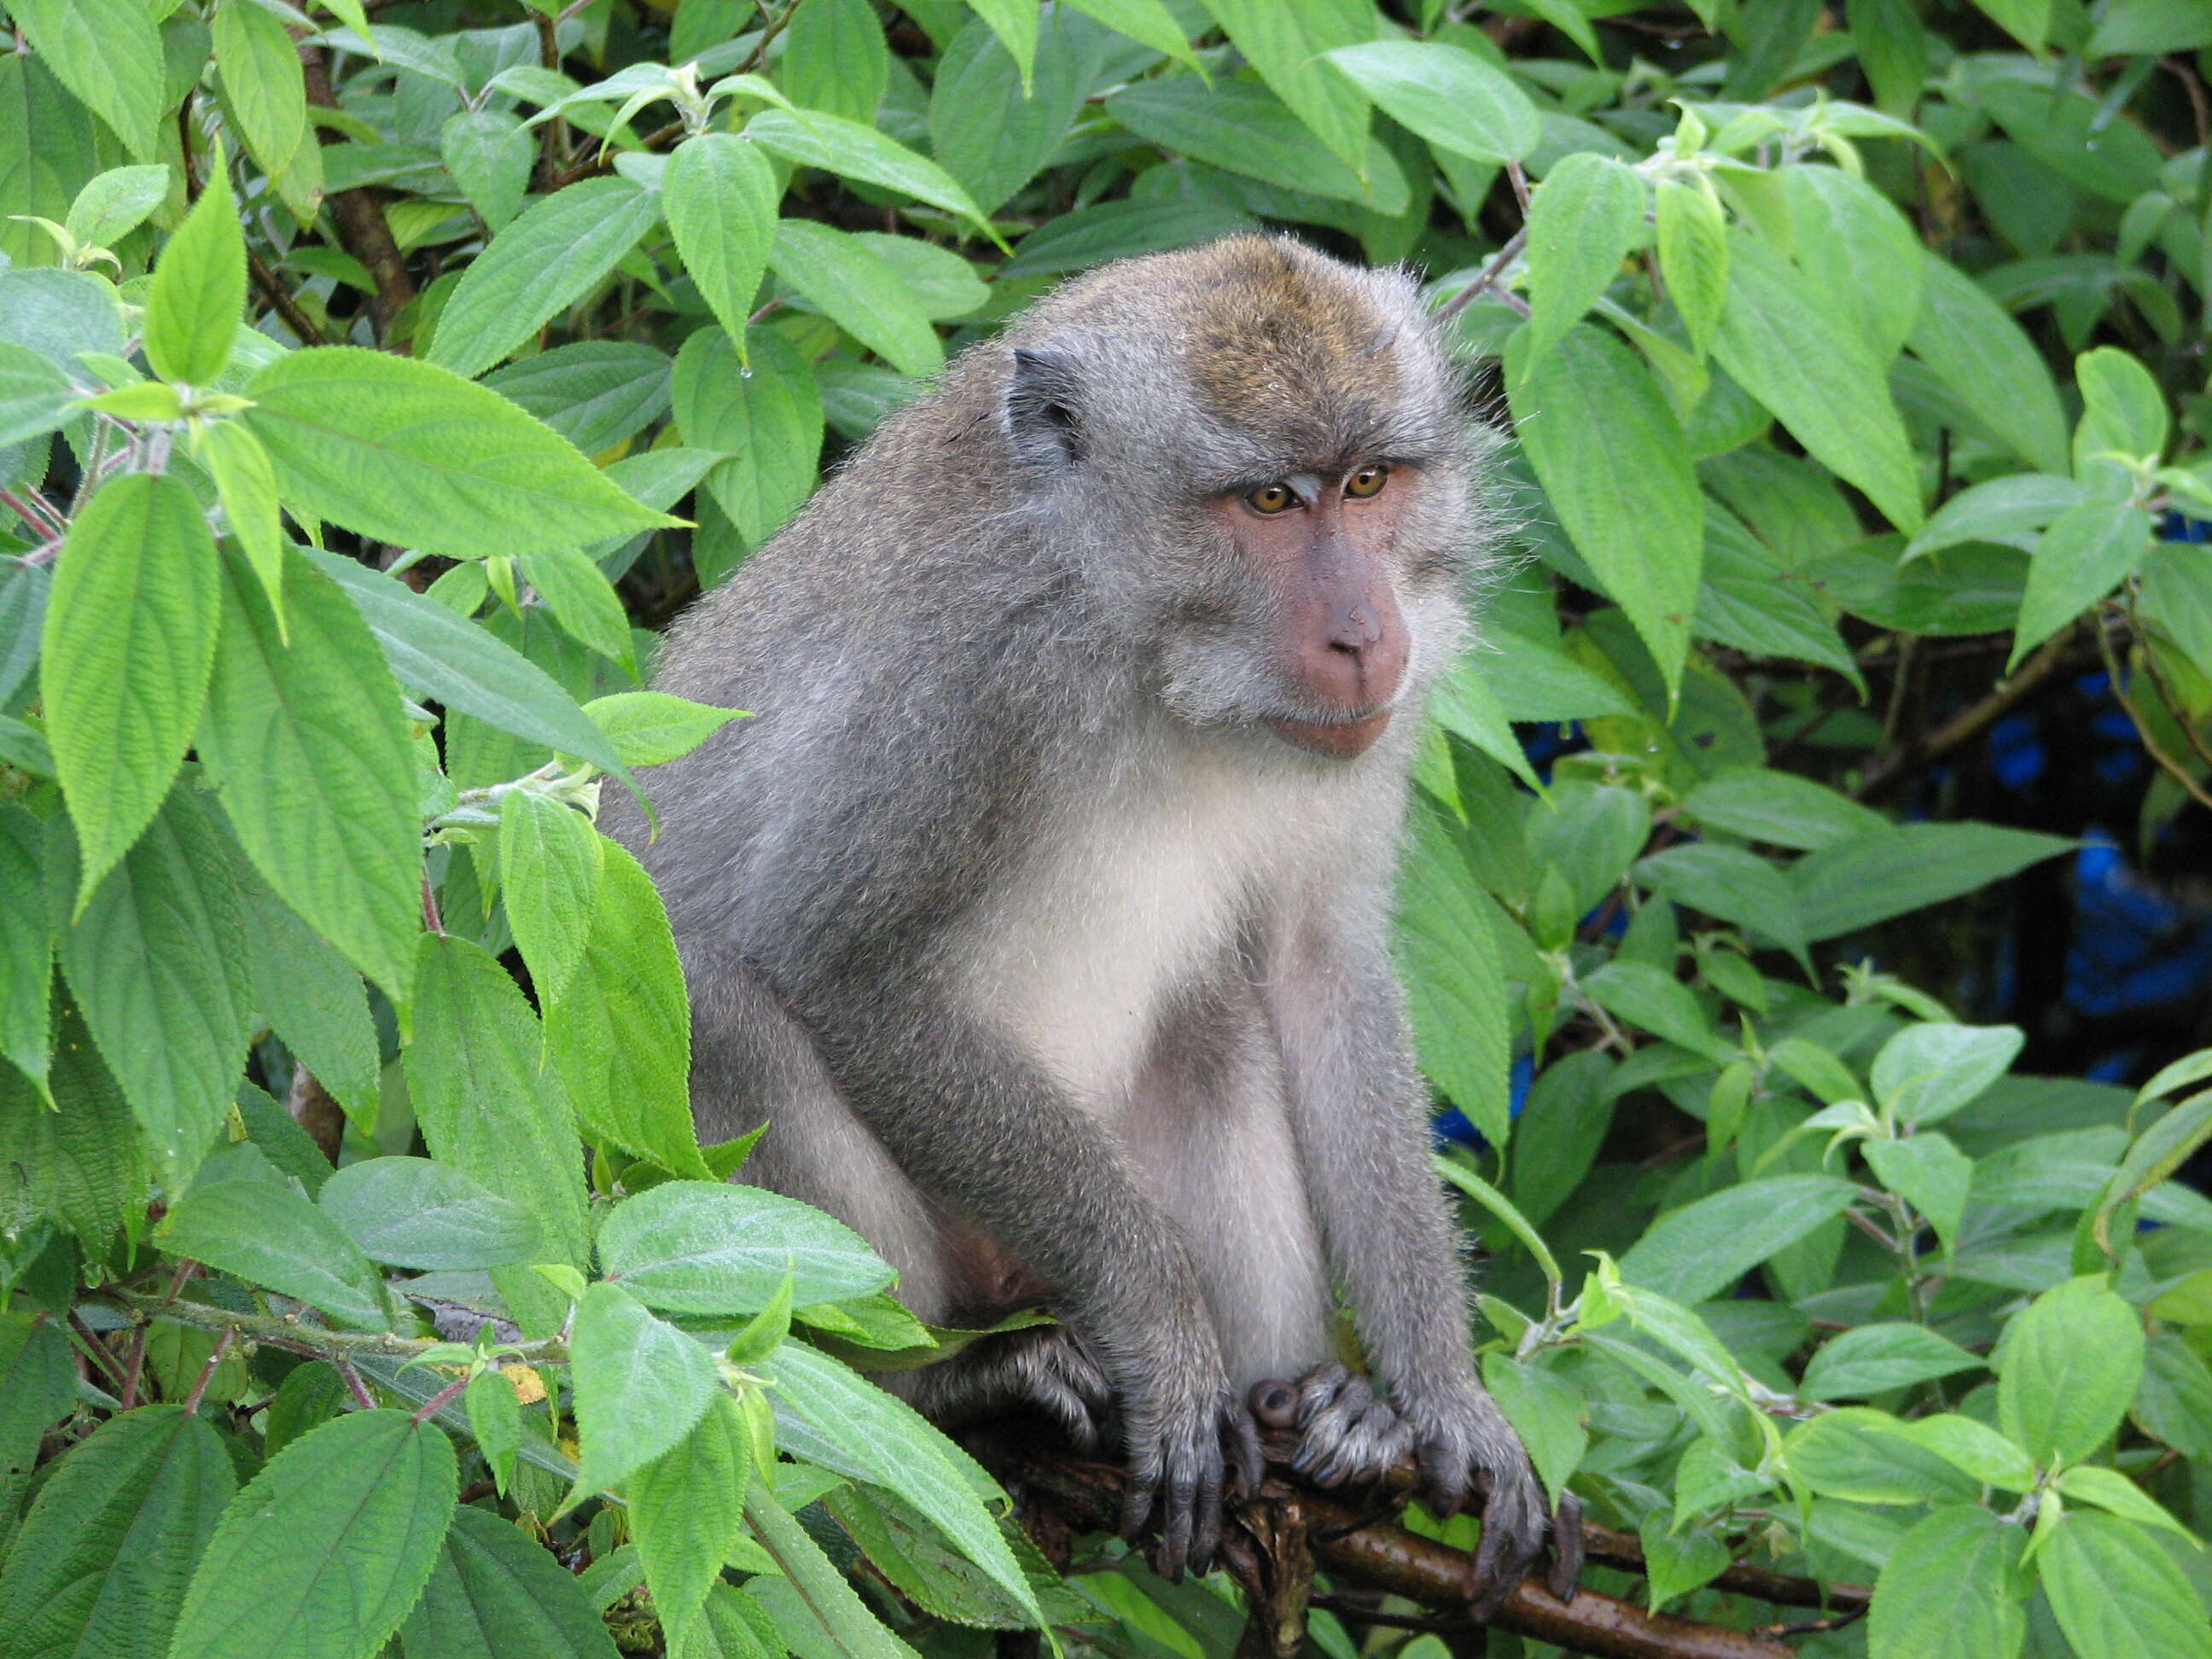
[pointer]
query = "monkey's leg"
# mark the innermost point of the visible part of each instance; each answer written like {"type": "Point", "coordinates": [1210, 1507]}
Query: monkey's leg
{"type": "Point", "coordinates": [1047, 1369]}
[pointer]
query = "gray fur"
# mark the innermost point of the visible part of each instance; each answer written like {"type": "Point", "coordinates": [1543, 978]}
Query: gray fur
{"type": "Point", "coordinates": [1018, 925]}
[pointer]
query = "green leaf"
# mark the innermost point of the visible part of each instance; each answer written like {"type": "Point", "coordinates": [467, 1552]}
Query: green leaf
{"type": "Point", "coordinates": [128, 639]}
{"type": "Point", "coordinates": [1702, 1249]}
{"type": "Point", "coordinates": [768, 420]}
{"type": "Point", "coordinates": [1818, 375]}
{"type": "Point", "coordinates": [1544, 1411]}
{"type": "Point", "coordinates": [107, 53]}
{"type": "Point", "coordinates": [1928, 1072]}
{"type": "Point", "coordinates": [641, 1385]}
{"type": "Point", "coordinates": [2067, 1368]}
{"type": "Point", "coordinates": [988, 128]}
{"type": "Point", "coordinates": [37, 1385]}
{"type": "Point", "coordinates": [1149, 22]}
{"type": "Point", "coordinates": [104, 1555]}
{"type": "Point", "coordinates": [2117, 1594]}
{"type": "Point", "coordinates": [411, 1212]}
{"type": "Point", "coordinates": [872, 1436]}
{"type": "Point", "coordinates": [852, 150]}
{"type": "Point", "coordinates": [489, 154]}
{"type": "Point", "coordinates": [1692, 234]}
{"type": "Point", "coordinates": [325, 1551]}
{"type": "Point", "coordinates": [1285, 45]}
{"type": "Point", "coordinates": [549, 858]}
{"type": "Point", "coordinates": [496, 1422]}
{"type": "Point", "coordinates": [1864, 261]}
{"type": "Point", "coordinates": [314, 1000]}
{"type": "Point", "coordinates": [265, 91]}
{"type": "Point", "coordinates": [1860, 1455]}
{"type": "Point", "coordinates": [2073, 134]}
{"type": "Point", "coordinates": [704, 1246]}
{"type": "Point", "coordinates": [687, 1511]}
{"type": "Point", "coordinates": [270, 1234]}
{"type": "Point", "coordinates": [2086, 552]}
{"type": "Point", "coordinates": [115, 203]}
{"type": "Point", "coordinates": [1247, 129]}
{"type": "Point", "coordinates": [1561, 1129]}
{"type": "Point", "coordinates": [1875, 1359]}
{"type": "Point", "coordinates": [621, 1032]}
{"type": "Point", "coordinates": [406, 452]}
{"type": "Point", "coordinates": [1950, 1591]}
{"type": "Point", "coordinates": [308, 749]}
{"type": "Point", "coordinates": [80, 1167]}
{"type": "Point", "coordinates": [157, 962]}
{"type": "Point", "coordinates": [828, 1599]}
{"type": "Point", "coordinates": [1675, 1564]}
{"type": "Point", "coordinates": [1454, 983]}
{"type": "Point", "coordinates": [1780, 808]}
{"type": "Point", "coordinates": [1928, 1173]}
{"type": "Point", "coordinates": [559, 249]}
{"type": "Point", "coordinates": [27, 947]}
{"type": "Point", "coordinates": [2110, 1490]}
{"type": "Point", "coordinates": [1988, 363]}
{"type": "Point", "coordinates": [2010, 509]}
{"type": "Point", "coordinates": [1730, 884]}
{"type": "Point", "coordinates": [2123, 411]}
{"type": "Point", "coordinates": [649, 728]}
{"type": "Point", "coordinates": [485, 1106]}
{"type": "Point", "coordinates": [1653, 999]}
{"type": "Point", "coordinates": [584, 601]}
{"type": "Point", "coordinates": [834, 59]}
{"type": "Point", "coordinates": [1449, 96]}
{"type": "Point", "coordinates": [859, 292]}
{"type": "Point", "coordinates": [246, 484]}
{"type": "Point", "coordinates": [34, 395]}
{"type": "Point", "coordinates": [1618, 473]}
{"type": "Point", "coordinates": [594, 392]}
{"type": "Point", "coordinates": [1583, 220]}
{"type": "Point", "coordinates": [2149, 29]}
{"type": "Point", "coordinates": [1967, 1444]}
{"type": "Point", "coordinates": [198, 294]}
{"type": "Point", "coordinates": [1855, 883]}
{"type": "Point", "coordinates": [496, 1594]}
{"type": "Point", "coordinates": [470, 671]}
{"type": "Point", "coordinates": [720, 194]}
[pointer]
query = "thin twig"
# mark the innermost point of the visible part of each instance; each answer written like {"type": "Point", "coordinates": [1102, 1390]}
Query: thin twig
{"type": "Point", "coordinates": [2179, 772]}
{"type": "Point", "coordinates": [1887, 770]}
{"type": "Point", "coordinates": [2164, 688]}
{"type": "Point", "coordinates": [273, 289]}
{"type": "Point", "coordinates": [136, 1369]}
{"type": "Point", "coordinates": [96, 1350]}
{"type": "Point", "coordinates": [1486, 278]}
{"type": "Point", "coordinates": [436, 1402]}
{"type": "Point", "coordinates": [207, 1371]}
{"type": "Point", "coordinates": [41, 517]}
{"type": "Point", "coordinates": [361, 1396]}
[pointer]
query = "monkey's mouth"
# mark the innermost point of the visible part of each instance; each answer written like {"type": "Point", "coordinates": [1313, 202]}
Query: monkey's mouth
{"type": "Point", "coordinates": [1340, 740]}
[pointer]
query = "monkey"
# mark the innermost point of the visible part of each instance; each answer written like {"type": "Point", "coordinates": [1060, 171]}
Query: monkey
{"type": "Point", "coordinates": [1042, 907]}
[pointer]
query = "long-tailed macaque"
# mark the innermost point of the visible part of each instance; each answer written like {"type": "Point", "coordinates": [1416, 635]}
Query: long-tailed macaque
{"type": "Point", "coordinates": [1043, 906]}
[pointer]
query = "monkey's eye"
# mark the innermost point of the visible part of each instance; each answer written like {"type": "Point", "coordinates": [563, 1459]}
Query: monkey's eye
{"type": "Point", "coordinates": [1271, 498]}
{"type": "Point", "coordinates": [1368, 481]}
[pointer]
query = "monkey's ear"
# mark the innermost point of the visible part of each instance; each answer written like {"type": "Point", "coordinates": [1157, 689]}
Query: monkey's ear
{"type": "Point", "coordinates": [1042, 418]}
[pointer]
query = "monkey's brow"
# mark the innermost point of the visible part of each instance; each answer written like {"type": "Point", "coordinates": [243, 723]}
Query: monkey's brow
{"type": "Point", "coordinates": [1335, 467]}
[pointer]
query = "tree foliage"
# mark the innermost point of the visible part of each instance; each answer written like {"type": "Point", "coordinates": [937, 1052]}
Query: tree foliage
{"type": "Point", "coordinates": [374, 376]}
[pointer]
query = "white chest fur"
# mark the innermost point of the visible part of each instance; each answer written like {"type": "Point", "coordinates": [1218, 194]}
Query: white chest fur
{"type": "Point", "coordinates": [1137, 886]}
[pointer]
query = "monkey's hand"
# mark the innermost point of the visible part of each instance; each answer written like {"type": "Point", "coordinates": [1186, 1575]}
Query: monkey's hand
{"type": "Point", "coordinates": [1347, 1432]}
{"type": "Point", "coordinates": [1178, 1449]}
{"type": "Point", "coordinates": [1464, 1446]}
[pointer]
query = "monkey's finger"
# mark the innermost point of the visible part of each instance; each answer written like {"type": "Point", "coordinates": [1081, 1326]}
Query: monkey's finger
{"type": "Point", "coordinates": [1206, 1524]}
{"type": "Point", "coordinates": [1318, 1388]}
{"type": "Point", "coordinates": [1327, 1429]}
{"type": "Point", "coordinates": [1137, 1495]}
{"type": "Point", "coordinates": [1178, 1508]}
{"type": "Point", "coordinates": [1250, 1461]}
{"type": "Point", "coordinates": [1492, 1578]}
{"type": "Point", "coordinates": [1275, 1404]}
{"type": "Point", "coordinates": [1567, 1545]}
{"type": "Point", "coordinates": [1444, 1478]}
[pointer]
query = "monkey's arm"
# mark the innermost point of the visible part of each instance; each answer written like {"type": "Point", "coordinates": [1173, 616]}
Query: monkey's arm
{"type": "Point", "coordinates": [1361, 1115]}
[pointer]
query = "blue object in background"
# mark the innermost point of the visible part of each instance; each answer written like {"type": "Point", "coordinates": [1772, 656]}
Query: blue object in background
{"type": "Point", "coordinates": [2132, 947]}
{"type": "Point", "coordinates": [1450, 1126]}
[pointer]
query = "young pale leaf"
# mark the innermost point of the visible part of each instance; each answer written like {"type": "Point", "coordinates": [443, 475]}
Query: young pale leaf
{"type": "Point", "coordinates": [127, 640]}
{"type": "Point", "coordinates": [2117, 1594]}
{"type": "Point", "coordinates": [307, 745]}
{"type": "Point", "coordinates": [687, 1512]}
{"type": "Point", "coordinates": [1969, 1444]}
{"type": "Point", "coordinates": [495, 1593]}
{"type": "Point", "coordinates": [2067, 1368]}
{"type": "Point", "coordinates": [489, 154]}
{"type": "Point", "coordinates": [1818, 376]}
{"type": "Point", "coordinates": [246, 484]}
{"type": "Point", "coordinates": [411, 1212]}
{"type": "Point", "coordinates": [720, 194]}
{"type": "Point", "coordinates": [470, 670]}
{"type": "Point", "coordinates": [115, 203]}
{"type": "Point", "coordinates": [560, 248]}
{"type": "Point", "coordinates": [1928, 1173]}
{"type": "Point", "coordinates": [1617, 472]}
{"type": "Point", "coordinates": [109, 54]}
{"type": "Point", "coordinates": [1701, 1249]}
{"type": "Point", "coordinates": [704, 1246]}
{"type": "Point", "coordinates": [641, 1385]}
{"type": "Point", "coordinates": [584, 601]}
{"type": "Point", "coordinates": [110, 1542]}
{"type": "Point", "coordinates": [1860, 1454]}
{"type": "Point", "coordinates": [621, 1033]}
{"type": "Point", "coordinates": [858, 291]}
{"type": "Point", "coordinates": [1950, 1591]}
{"type": "Point", "coordinates": [1862, 259]}
{"type": "Point", "coordinates": [1583, 220]}
{"type": "Point", "coordinates": [1692, 231]}
{"type": "Point", "coordinates": [495, 1421]}
{"type": "Point", "coordinates": [268, 1235]}
{"type": "Point", "coordinates": [852, 150]}
{"type": "Point", "coordinates": [1448, 95]}
{"type": "Point", "coordinates": [2086, 552]}
{"type": "Point", "coordinates": [2011, 509]}
{"type": "Point", "coordinates": [549, 858]}
{"type": "Point", "coordinates": [869, 1435]}
{"type": "Point", "coordinates": [649, 728]}
{"type": "Point", "coordinates": [2108, 1489]}
{"type": "Point", "coordinates": [1988, 363]}
{"type": "Point", "coordinates": [198, 296]}
{"type": "Point", "coordinates": [1149, 22]}
{"type": "Point", "coordinates": [406, 452]}
{"type": "Point", "coordinates": [1927, 1072]}
{"type": "Point", "coordinates": [768, 420]}
{"type": "Point", "coordinates": [157, 962]}
{"type": "Point", "coordinates": [1874, 1358]}
{"type": "Point", "coordinates": [325, 1551]}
